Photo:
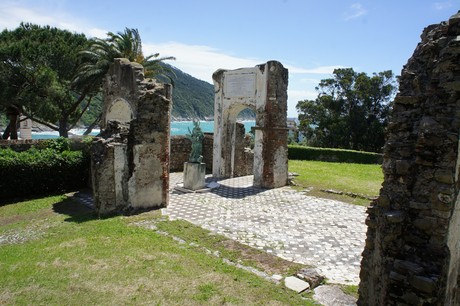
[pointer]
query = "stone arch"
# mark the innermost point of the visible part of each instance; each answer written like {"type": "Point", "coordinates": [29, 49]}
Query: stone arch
{"type": "Point", "coordinates": [237, 142]}
{"type": "Point", "coordinates": [120, 110]}
{"type": "Point", "coordinates": [264, 90]}
{"type": "Point", "coordinates": [412, 251]}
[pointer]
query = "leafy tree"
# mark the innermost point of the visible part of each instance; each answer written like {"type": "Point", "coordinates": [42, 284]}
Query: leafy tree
{"type": "Point", "coordinates": [350, 112]}
{"type": "Point", "coordinates": [37, 66]}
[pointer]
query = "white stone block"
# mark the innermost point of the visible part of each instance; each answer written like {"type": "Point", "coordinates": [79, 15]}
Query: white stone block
{"type": "Point", "coordinates": [296, 284]}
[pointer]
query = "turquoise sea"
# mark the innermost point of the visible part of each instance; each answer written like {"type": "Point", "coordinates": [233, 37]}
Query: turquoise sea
{"type": "Point", "coordinates": [177, 128]}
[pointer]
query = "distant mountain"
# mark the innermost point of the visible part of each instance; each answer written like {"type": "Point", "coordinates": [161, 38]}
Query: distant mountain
{"type": "Point", "coordinates": [192, 98]}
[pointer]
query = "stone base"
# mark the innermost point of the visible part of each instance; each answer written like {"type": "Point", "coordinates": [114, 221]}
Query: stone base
{"type": "Point", "coordinates": [208, 188]}
{"type": "Point", "coordinates": [194, 175]}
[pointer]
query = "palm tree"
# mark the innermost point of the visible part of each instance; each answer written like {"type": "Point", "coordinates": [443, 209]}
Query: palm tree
{"type": "Point", "coordinates": [97, 58]}
{"type": "Point", "coordinates": [127, 44]}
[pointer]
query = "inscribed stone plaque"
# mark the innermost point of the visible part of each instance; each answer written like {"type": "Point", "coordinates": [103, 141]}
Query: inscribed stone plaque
{"type": "Point", "coordinates": [240, 85]}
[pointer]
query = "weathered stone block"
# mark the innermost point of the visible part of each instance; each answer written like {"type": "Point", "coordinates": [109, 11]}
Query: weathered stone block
{"type": "Point", "coordinates": [402, 167]}
{"type": "Point", "coordinates": [311, 276]}
{"type": "Point", "coordinates": [406, 267]}
{"type": "Point", "coordinates": [423, 284]}
{"type": "Point", "coordinates": [395, 216]}
{"type": "Point", "coordinates": [194, 175]}
{"type": "Point", "coordinates": [424, 223]}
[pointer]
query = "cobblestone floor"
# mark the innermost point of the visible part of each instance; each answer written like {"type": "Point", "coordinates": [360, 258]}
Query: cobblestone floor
{"type": "Point", "coordinates": [323, 233]}
{"type": "Point", "coordinates": [326, 234]}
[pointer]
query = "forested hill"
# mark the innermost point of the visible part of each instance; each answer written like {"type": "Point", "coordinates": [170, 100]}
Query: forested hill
{"type": "Point", "coordinates": [192, 98]}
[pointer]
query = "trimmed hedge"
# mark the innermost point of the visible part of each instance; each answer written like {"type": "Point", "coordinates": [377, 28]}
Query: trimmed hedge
{"type": "Point", "coordinates": [42, 172]}
{"type": "Point", "coordinates": [296, 152]}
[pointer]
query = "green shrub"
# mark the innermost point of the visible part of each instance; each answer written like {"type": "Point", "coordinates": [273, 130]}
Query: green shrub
{"type": "Point", "coordinates": [59, 144]}
{"type": "Point", "coordinates": [296, 152]}
{"type": "Point", "coordinates": [42, 172]}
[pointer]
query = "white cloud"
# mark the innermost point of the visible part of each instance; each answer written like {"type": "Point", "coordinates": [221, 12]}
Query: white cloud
{"type": "Point", "coordinates": [294, 96]}
{"type": "Point", "coordinates": [356, 10]}
{"type": "Point", "coordinates": [309, 81]}
{"type": "Point", "coordinates": [198, 61]}
{"type": "Point", "coordinates": [299, 95]}
{"type": "Point", "coordinates": [12, 15]}
{"type": "Point", "coordinates": [442, 5]}
{"type": "Point", "coordinates": [317, 70]}
{"type": "Point", "coordinates": [202, 61]}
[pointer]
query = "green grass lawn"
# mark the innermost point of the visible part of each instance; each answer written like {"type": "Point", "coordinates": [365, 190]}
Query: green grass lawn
{"type": "Point", "coordinates": [54, 252]}
{"type": "Point", "coordinates": [354, 178]}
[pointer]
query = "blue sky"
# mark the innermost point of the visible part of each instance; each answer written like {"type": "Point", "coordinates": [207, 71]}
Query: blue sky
{"type": "Point", "coordinates": [310, 38]}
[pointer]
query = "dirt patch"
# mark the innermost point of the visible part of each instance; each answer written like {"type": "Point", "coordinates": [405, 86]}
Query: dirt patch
{"type": "Point", "coordinates": [43, 214]}
{"type": "Point", "coordinates": [270, 264]}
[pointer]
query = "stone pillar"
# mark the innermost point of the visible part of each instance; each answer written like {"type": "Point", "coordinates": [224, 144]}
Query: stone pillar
{"type": "Point", "coordinates": [412, 252]}
{"type": "Point", "coordinates": [271, 170]}
{"type": "Point", "coordinates": [25, 128]}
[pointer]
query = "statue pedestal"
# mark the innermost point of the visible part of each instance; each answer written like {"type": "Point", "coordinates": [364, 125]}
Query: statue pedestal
{"type": "Point", "coordinates": [194, 175]}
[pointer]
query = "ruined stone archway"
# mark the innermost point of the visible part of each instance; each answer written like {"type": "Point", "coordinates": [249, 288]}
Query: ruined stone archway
{"type": "Point", "coordinates": [262, 89]}
{"type": "Point", "coordinates": [412, 252]}
{"type": "Point", "coordinates": [119, 110]}
{"type": "Point", "coordinates": [130, 159]}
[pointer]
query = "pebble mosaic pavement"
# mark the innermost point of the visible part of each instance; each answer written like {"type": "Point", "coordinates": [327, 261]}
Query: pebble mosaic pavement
{"type": "Point", "coordinates": [326, 234]}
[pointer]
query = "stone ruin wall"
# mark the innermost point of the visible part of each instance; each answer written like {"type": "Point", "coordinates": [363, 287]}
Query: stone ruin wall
{"type": "Point", "coordinates": [181, 147]}
{"type": "Point", "coordinates": [243, 157]}
{"type": "Point", "coordinates": [130, 161]}
{"type": "Point", "coordinates": [263, 89]}
{"type": "Point", "coordinates": [412, 248]}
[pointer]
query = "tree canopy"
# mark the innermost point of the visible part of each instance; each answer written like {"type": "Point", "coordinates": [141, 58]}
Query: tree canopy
{"type": "Point", "coordinates": [350, 112]}
{"type": "Point", "coordinates": [37, 66]}
{"type": "Point", "coordinates": [52, 75]}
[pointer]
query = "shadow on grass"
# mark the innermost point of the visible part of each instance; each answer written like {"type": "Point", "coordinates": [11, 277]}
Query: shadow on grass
{"type": "Point", "coordinates": [79, 212]}
{"type": "Point", "coordinates": [76, 211]}
{"type": "Point", "coordinates": [15, 200]}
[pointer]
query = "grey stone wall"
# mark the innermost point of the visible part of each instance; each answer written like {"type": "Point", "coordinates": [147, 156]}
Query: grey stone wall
{"type": "Point", "coordinates": [412, 248]}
